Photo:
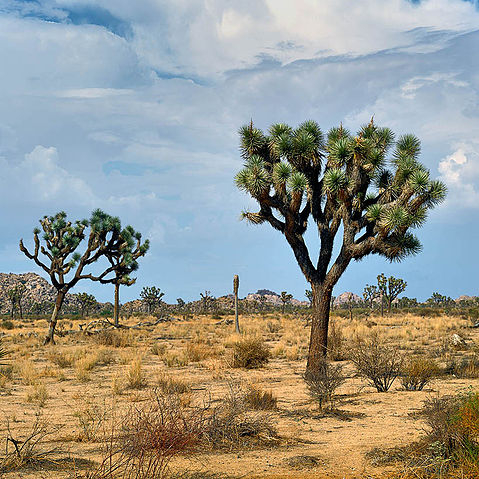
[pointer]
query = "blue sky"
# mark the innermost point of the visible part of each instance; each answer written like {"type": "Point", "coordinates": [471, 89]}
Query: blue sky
{"type": "Point", "coordinates": [134, 107]}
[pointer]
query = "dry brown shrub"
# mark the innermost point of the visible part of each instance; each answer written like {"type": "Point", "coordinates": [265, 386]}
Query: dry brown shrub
{"type": "Point", "coordinates": [250, 353]}
{"type": "Point", "coordinates": [380, 364]}
{"type": "Point", "coordinates": [30, 450]}
{"type": "Point", "coordinates": [323, 382]}
{"type": "Point", "coordinates": [148, 437]}
{"type": "Point", "coordinates": [416, 373]}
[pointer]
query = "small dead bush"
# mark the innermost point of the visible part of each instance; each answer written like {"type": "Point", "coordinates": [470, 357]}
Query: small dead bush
{"type": "Point", "coordinates": [378, 363]}
{"type": "Point", "coordinates": [250, 353]}
{"type": "Point", "coordinates": [144, 442]}
{"type": "Point", "coordinates": [257, 398]}
{"type": "Point", "coordinates": [91, 418]}
{"type": "Point", "coordinates": [323, 383]}
{"type": "Point", "coordinates": [30, 449]}
{"type": "Point", "coordinates": [152, 435]}
{"type": "Point", "coordinates": [416, 373]}
{"type": "Point", "coordinates": [230, 425]}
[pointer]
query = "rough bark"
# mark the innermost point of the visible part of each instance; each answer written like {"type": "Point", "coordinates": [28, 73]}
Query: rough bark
{"type": "Point", "coordinates": [50, 337]}
{"type": "Point", "coordinates": [318, 343]}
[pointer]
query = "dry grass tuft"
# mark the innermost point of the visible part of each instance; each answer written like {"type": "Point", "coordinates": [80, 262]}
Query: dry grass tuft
{"type": "Point", "coordinates": [170, 385]}
{"type": "Point", "coordinates": [135, 378]}
{"type": "Point", "coordinates": [256, 398]}
{"type": "Point", "coordinates": [115, 339]}
{"type": "Point", "coordinates": [38, 395]}
{"type": "Point", "coordinates": [250, 353]}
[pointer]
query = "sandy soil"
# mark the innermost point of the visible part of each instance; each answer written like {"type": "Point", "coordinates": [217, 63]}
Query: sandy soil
{"type": "Point", "coordinates": [368, 419]}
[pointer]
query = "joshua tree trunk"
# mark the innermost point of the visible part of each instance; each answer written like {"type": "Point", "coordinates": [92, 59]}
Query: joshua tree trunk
{"type": "Point", "coordinates": [318, 344]}
{"type": "Point", "coordinates": [116, 307]}
{"type": "Point", "coordinates": [235, 290]}
{"type": "Point", "coordinates": [49, 338]}
{"type": "Point", "coordinates": [382, 304]}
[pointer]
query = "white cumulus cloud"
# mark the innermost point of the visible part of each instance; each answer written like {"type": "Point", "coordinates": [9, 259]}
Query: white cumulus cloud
{"type": "Point", "coordinates": [460, 172]}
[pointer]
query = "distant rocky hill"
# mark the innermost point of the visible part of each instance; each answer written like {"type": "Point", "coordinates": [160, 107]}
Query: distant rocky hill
{"type": "Point", "coordinates": [273, 298]}
{"type": "Point", "coordinates": [38, 290]}
{"type": "Point", "coordinates": [39, 294]}
{"type": "Point", "coordinates": [345, 297]}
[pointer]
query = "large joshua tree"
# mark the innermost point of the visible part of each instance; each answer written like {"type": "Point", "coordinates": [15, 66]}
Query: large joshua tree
{"type": "Point", "coordinates": [59, 256]}
{"type": "Point", "coordinates": [350, 190]}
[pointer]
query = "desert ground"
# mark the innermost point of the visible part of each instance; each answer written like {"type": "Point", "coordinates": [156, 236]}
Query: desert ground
{"type": "Point", "coordinates": [77, 391]}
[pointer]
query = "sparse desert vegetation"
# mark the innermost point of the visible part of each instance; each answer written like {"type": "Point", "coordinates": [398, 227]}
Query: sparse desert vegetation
{"type": "Point", "coordinates": [203, 399]}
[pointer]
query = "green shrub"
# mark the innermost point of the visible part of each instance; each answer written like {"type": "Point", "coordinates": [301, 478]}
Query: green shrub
{"type": "Point", "coordinates": [7, 324]}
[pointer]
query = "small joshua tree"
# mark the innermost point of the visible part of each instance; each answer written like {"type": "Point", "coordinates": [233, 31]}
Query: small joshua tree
{"type": "Point", "coordinates": [59, 256]}
{"type": "Point", "coordinates": [12, 298]}
{"type": "Point", "coordinates": [370, 293]}
{"type": "Point", "coordinates": [123, 259]}
{"type": "Point", "coordinates": [151, 296]}
{"type": "Point", "coordinates": [87, 301]}
{"type": "Point", "coordinates": [309, 294]}
{"type": "Point", "coordinates": [389, 289]}
{"type": "Point", "coordinates": [207, 300]}
{"type": "Point", "coordinates": [15, 296]}
{"type": "Point", "coordinates": [440, 300]}
{"type": "Point", "coordinates": [342, 183]}
{"type": "Point", "coordinates": [285, 299]}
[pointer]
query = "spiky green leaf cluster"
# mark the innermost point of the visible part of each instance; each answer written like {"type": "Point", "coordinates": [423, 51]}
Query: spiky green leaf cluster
{"type": "Point", "coordinates": [344, 178]}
